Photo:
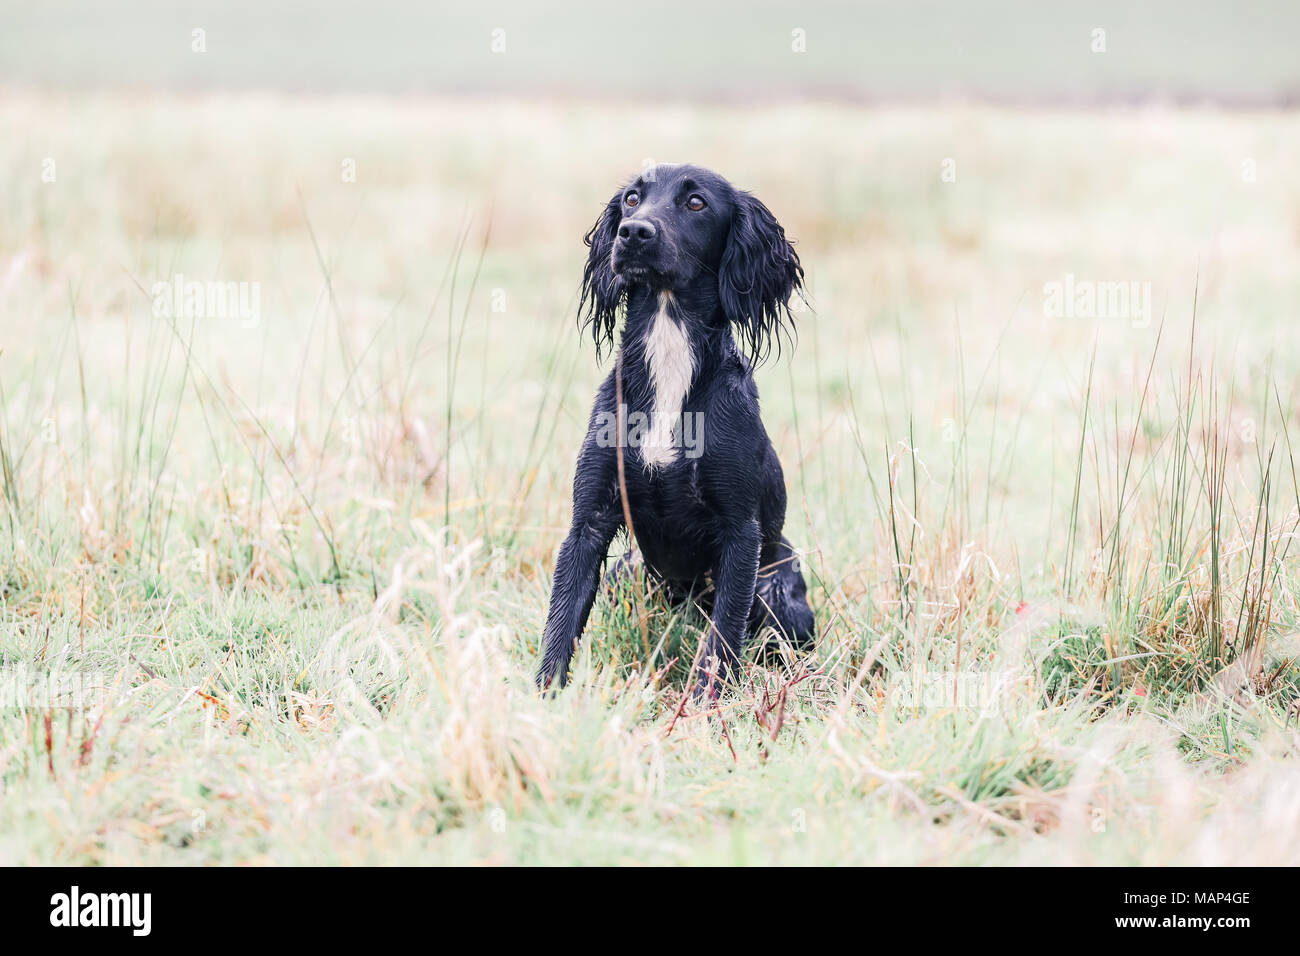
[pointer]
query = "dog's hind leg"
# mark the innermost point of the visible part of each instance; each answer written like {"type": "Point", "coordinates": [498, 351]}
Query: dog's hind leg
{"type": "Point", "coordinates": [780, 595]}
{"type": "Point", "coordinates": [781, 600]}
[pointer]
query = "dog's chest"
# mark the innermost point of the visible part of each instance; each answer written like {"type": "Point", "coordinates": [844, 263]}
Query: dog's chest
{"type": "Point", "coordinates": [670, 365]}
{"type": "Point", "coordinates": [674, 525]}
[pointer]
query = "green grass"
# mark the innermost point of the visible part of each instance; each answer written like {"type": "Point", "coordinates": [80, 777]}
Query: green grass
{"type": "Point", "coordinates": [308, 562]}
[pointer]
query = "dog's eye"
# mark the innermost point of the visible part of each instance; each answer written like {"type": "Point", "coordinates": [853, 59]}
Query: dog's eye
{"type": "Point", "coordinates": [632, 198]}
{"type": "Point", "coordinates": [695, 203]}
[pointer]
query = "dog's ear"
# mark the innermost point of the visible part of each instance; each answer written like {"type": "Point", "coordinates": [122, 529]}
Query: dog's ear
{"type": "Point", "coordinates": [601, 289]}
{"type": "Point", "coordinates": [759, 273]}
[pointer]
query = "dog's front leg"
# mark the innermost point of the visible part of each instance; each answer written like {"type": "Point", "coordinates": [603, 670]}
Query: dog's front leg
{"type": "Point", "coordinates": [597, 516]}
{"type": "Point", "coordinates": [734, 579]}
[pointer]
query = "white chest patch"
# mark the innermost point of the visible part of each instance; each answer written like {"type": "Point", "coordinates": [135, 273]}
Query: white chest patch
{"type": "Point", "coordinates": [672, 367]}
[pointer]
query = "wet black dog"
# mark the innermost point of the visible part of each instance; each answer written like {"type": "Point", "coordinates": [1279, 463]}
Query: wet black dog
{"type": "Point", "coordinates": [692, 258]}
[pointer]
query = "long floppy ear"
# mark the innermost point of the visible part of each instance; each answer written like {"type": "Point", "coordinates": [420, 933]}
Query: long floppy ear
{"type": "Point", "coordinates": [759, 272]}
{"type": "Point", "coordinates": [601, 289]}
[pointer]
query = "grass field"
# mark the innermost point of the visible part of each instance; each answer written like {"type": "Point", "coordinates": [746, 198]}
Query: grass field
{"type": "Point", "coordinates": [298, 559]}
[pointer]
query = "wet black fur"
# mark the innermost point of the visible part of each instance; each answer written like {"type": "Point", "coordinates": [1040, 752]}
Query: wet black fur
{"type": "Point", "coordinates": [704, 525]}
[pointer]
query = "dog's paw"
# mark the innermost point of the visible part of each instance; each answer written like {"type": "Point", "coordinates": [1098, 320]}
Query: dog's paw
{"type": "Point", "coordinates": [551, 678]}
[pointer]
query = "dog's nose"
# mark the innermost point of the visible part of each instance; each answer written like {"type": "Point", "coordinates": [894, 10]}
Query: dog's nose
{"type": "Point", "coordinates": [639, 230]}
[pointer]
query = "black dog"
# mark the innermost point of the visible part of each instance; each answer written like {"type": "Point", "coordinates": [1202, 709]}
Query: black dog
{"type": "Point", "coordinates": [691, 256]}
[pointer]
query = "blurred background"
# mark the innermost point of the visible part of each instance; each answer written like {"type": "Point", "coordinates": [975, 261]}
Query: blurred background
{"type": "Point", "coordinates": [1008, 51]}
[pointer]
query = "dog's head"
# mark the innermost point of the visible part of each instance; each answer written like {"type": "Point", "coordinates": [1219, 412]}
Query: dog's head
{"type": "Point", "coordinates": [682, 229]}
